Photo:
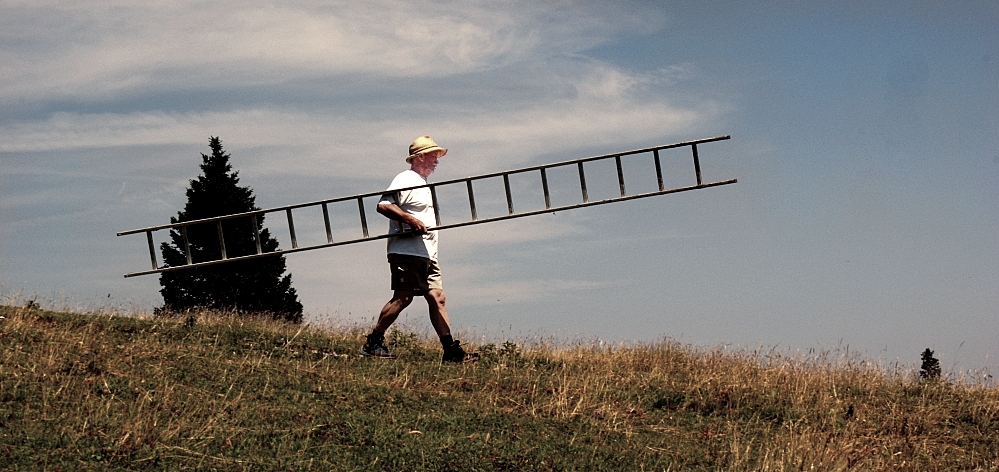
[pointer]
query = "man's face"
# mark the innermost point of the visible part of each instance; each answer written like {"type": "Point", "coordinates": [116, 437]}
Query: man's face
{"type": "Point", "coordinates": [426, 163]}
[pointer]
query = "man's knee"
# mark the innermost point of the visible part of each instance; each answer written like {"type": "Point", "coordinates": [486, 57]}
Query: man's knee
{"type": "Point", "coordinates": [436, 296]}
{"type": "Point", "coordinates": [403, 298]}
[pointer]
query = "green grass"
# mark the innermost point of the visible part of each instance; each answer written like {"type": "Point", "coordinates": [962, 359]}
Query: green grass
{"type": "Point", "coordinates": [105, 392]}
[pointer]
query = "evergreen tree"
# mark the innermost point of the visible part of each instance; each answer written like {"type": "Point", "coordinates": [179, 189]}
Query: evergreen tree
{"type": "Point", "coordinates": [249, 286]}
{"type": "Point", "coordinates": [931, 366]}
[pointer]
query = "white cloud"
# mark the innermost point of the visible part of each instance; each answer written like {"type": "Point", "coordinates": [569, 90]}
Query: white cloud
{"type": "Point", "coordinates": [100, 49]}
{"type": "Point", "coordinates": [608, 107]}
{"type": "Point", "coordinates": [109, 50]}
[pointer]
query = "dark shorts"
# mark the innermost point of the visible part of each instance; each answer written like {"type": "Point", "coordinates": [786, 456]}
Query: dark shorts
{"type": "Point", "coordinates": [415, 274]}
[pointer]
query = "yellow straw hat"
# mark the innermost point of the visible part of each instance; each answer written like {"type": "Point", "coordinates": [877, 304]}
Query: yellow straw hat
{"type": "Point", "coordinates": [423, 144]}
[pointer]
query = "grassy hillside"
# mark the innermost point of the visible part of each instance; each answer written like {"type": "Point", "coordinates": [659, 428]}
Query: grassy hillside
{"type": "Point", "coordinates": [104, 392]}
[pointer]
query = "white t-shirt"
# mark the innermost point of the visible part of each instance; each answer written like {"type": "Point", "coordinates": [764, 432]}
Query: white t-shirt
{"type": "Point", "coordinates": [420, 204]}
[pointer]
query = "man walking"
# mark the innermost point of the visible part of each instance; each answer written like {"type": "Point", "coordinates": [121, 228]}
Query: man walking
{"type": "Point", "coordinates": [412, 253]}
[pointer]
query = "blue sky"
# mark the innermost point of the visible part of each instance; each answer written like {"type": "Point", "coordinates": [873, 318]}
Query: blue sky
{"type": "Point", "coordinates": [864, 138]}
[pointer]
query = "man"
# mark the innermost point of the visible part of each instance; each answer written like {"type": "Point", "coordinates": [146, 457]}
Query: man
{"type": "Point", "coordinates": [412, 254]}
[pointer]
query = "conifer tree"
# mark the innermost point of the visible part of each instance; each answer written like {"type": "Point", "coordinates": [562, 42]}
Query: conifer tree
{"type": "Point", "coordinates": [251, 286]}
{"type": "Point", "coordinates": [931, 366]}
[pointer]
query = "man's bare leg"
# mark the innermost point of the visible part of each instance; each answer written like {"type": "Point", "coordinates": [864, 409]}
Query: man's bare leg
{"type": "Point", "coordinates": [438, 312]}
{"type": "Point", "coordinates": [374, 346]}
{"type": "Point", "coordinates": [400, 300]}
{"type": "Point", "coordinates": [438, 317]}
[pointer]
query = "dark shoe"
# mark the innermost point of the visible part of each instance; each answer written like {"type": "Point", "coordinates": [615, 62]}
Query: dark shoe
{"type": "Point", "coordinates": [454, 353]}
{"type": "Point", "coordinates": [374, 347]}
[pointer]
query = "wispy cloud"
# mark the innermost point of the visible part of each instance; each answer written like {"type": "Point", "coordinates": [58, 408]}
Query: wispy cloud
{"type": "Point", "coordinates": [102, 48]}
{"type": "Point", "coordinates": [144, 67]}
{"type": "Point", "coordinates": [606, 107]}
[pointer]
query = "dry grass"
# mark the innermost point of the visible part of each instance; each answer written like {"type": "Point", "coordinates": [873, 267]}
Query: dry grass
{"type": "Point", "coordinates": [216, 392]}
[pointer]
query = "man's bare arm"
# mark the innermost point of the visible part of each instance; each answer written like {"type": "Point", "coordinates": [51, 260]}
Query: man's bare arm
{"type": "Point", "coordinates": [394, 212]}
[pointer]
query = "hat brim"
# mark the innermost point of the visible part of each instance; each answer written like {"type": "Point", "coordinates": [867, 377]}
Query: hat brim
{"type": "Point", "coordinates": [424, 151]}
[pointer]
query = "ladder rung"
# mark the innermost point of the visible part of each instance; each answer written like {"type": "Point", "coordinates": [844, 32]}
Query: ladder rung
{"type": "Point", "coordinates": [697, 163]}
{"type": "Point", "coordinates": [364, 219]}
{"type": "Point", "coordinates": [218, 224]}
{"type": "Point", "coordinates": [433, 198]}
{"type": "Point", "coordinates": [152, 250]}
{"type": "Point", "coordinates": [187, 244]}
{"type": "Point", "coordinates": [256, 233]}
{"type": "Point", "coordinates": [659, 170]}
{"type": "Point", "coordinates": [291, 230]}
{"type": "Point", "coordinates": [620, 174]}
{"type": "Point", "coordinates": [544, 184]}
{"type": "Point", "coordinates": [509, 198]}
{"type": "Point", "coordinates": [471, 199]}
{"type": "Point", "coordinates": [326, 219]}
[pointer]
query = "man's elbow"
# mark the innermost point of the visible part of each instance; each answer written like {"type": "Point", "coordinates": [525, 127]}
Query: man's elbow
{"type": "Point", "coordinates": [384, 208]}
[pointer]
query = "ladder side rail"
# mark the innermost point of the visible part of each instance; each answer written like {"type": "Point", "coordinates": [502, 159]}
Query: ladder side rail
{"type": "Point", "coordinates": [579, 162]}
{"type": "Point", "coordinates": [256, 212]}
{"type": "Point", "coordinates": [587, 204]}
{"type": "Point", "coordinates": [218, 225]}
{"type": "Point", "coordinates": [257, 256]}
{"type": "Point", "coordinates": [448, 226]}
{"type": "Point", "coordinates": [468, 180]}
{"type": "Point", "coordinates": [574, 161]}
{"type": "Point", "coordinates": [514, 171]}
{"type": "Point", "coordinates": [446, 182]}
{"type": "Point", "coordinates": [212, 219]}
